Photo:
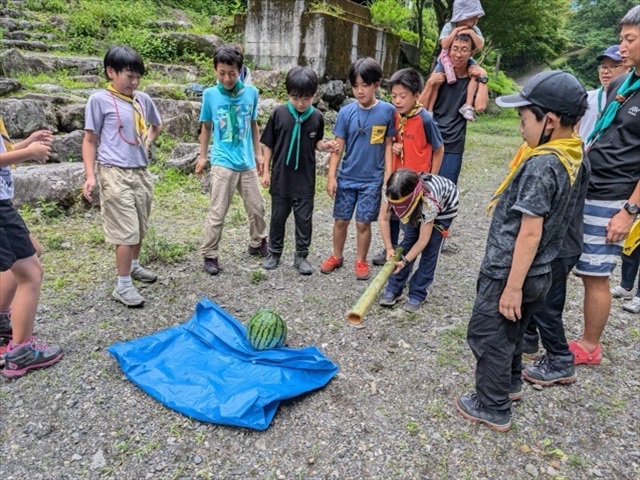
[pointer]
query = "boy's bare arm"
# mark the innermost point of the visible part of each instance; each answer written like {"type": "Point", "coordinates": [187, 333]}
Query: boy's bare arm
{"type": "Point", "coordinates": [153, 133]}
{"type": "Point", "coordinates": [524, 252]}
{"type": "Point", "coordinates": [45, 136]}
{"type": "Point", "coordinates": [205, 139]}
{"type": "Point", "coordinates": [89, 153]}
{"type": "Point", "coordinates": [256, 146]}
{"type": "Point", "coordinates": [388, 158]}
{"type": "Point", "coordinates": [332, 181]}
{"type": "Point", "coordinates": [38, 151]}
{"type": "Point", "coordinates": [266, 173]}
{"type": "Point", "coordinates": [436, 161]}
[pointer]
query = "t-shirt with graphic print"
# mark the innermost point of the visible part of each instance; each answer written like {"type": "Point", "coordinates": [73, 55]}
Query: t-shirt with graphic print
{"type": "Point", "coordinates": [364, 132]}
{"type": "Point", "coordinates": [6, 181]}
{"type": "Point", "coordinates": [287, 181]}
{"type": "Point", "coordinates": [216, 109]}
{"type": "Point", "coordinates": [112, 120]}
{"type": "Point", "coordinates": [541, 188]}
{"type": "Point", "coordinates": [419, 139]}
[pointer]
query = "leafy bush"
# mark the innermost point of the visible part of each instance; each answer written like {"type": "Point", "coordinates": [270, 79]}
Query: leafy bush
{"type": "Point", "coordinates": [159, 249]}
{"type": "Point", "coordinates": [501, 84]}
{"type": "Point", "coordinates": [391, 14]}
{"type": "Point", "coordinates": [210, 7]}
{"type": "Point", "coordinates": [151, 47]}
{"type": "Point", "coordinates": [48, 6]}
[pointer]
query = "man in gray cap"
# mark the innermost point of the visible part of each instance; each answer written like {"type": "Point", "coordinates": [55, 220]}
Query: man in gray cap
{"type": "Point", "coordinates": [610, 67]}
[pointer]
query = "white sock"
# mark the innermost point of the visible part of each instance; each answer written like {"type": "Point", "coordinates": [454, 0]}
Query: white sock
{"type": "Point", "coordinates": [124, 281]}
{"type": "Point", "coordinates": [134, 264]}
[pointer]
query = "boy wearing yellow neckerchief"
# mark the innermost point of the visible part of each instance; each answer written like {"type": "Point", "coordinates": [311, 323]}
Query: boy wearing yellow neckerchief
{"type": "Point", "coordinates": [531, 209]}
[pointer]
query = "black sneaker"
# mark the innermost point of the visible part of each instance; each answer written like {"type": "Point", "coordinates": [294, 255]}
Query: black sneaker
{"type": "Point", "coordinates": [470, 408]}
{"type": "Point", "coordinates": [211, 266]}
{"type": "Point", "coordinates": [380, 258]}
{"type": "Point", "coordinates": [5, 326]}
{"type": "Point", "coordinates": [551, 369]}
{"type": "Point", "coordinates": [516, 393]}
{"type": "Point", "coordinates": [19, 361]}
{"type": "Point", "coordinates": [260, 251]}
{"type": "Point", "coordinates": [271, 262]}
{"type": "Point", "coordinates": [302, 265]}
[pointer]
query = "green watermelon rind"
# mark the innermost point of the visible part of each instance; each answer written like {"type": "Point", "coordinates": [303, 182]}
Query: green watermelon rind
{"type": "Point", "coordinates": [266, 330]}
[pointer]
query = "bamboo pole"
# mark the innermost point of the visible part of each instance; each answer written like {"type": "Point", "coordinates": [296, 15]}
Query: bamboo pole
{"type": "Point", "coordinates": [357, 313]}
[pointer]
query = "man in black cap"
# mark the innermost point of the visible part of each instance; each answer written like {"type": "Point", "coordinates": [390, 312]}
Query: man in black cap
{"type": "Point", "coordinates": [532, 209]}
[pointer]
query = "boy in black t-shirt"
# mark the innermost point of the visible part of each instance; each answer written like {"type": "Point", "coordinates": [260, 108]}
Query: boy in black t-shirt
{"type": "Point", "coordinates": [293, 133]}
{"type": "Point", "coordinates": [533, 208]}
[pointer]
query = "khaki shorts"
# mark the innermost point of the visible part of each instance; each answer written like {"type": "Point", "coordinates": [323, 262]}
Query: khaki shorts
{"type": "Point", "coordinates": [125, 202]}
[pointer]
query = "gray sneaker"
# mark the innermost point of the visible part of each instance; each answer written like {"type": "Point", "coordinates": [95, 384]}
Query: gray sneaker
{"type": "Point", "coordinates": [30, 356]}
{"type": "Point", "coordinates": [621, 292]}
{"type": "Point", "coordinates": [632, 306]}
{"type": "Point", "coordinates": [271, 261]}
{"type": "Point", "coordinates": [303, 265]}
{"type": "Point", "coordinates": [380, 258]}
{"type": "Point", "coordinates": [128, 296]}
{"type": "Point", "coordinates": [412, 305]}
{"type": "Point", "coordinates": [143, 275]}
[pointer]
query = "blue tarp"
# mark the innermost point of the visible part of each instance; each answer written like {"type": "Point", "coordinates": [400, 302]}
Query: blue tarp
{"type": "Point", "coordinates": [206, 369]}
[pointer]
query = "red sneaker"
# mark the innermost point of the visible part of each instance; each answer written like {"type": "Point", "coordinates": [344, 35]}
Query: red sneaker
{"type": "Point", "coordinates": [363, 272]}
{"type": "Point", "coordinates": [582, 357]}
{"type": "Point", "coordinates": [330, 264]}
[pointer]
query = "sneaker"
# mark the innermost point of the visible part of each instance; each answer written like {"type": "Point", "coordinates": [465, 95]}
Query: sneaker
{"type": "Point", "coordinates": [128, 296]}
{"type": "Point", "coordinates": [3, 350]}
{"type": "Point", "coordinates": [260, 251]}
{"type": "Point", "coordinates": [621, 292]}
{"type": "Point", "coordinates": [516, 393]}
{"type": "Point", "coordinates": [632, 305]}
{"type": "Point", "coordinates": [470, 408]}
{"type": "Point", "coordinates": [531, 349]}
{"type": "Point", "coordinates": [551, 369]}
{"type": "Point", "coordinates": [363, 271]}
{"type": "Point", "coordinates": [330, 264]}
{"type": "Point", "coordinates": [211, 266]}
{"type": "Point", "coordinates": [19, 361]}
{"type": "Point", "coordinates": [388, 299]}
{"type": "Point", "coordinates": [380, 258]}
{"type": "Point", "coordinates": [303, 265]}
{"type": "Point", "coordinates": [271, 261]}
{"type": "Point", "coordinates": [412, 305]}
{"type": "Point", "coordinates": [582, 357]}
{"type": "Point", "coordinates": [5, 326]}
{"type": "Point", "coordinates": [143, 275]}
{"type": "Point", "coordinates": [468, 112]}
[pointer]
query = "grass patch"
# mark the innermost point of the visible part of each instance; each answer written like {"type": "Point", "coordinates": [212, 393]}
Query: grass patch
{"type": "Point", "coordinates": [156, 248]}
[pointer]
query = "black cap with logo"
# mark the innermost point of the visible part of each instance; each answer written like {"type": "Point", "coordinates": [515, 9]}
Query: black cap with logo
{"type": "Point", "coordinates": [552, 90]}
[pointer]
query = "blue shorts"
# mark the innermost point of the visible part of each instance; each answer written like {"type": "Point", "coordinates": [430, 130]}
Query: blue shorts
{"type": "Point", "coordinates": [363, 197]}
{"type": "Point", "coordinates": [599, 258]}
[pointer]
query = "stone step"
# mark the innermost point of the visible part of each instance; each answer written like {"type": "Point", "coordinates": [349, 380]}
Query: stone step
{"type": "Point", "coordinates": [30, 45]}
{"type": "Point", "coordinates": [11, 24]}
{"type": "Point", "coordinates": [27, 35]}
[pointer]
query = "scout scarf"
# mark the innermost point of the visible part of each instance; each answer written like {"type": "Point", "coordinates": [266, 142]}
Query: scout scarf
{"type": "Point", "coordinates": [299, 119]}
{"type": "Point", "coordinates": [403, 123]}
{"type": "Point", "coordinates": [233, 115]}
{"type": "Point", "coordinates": [630, 86]}
{"type": "Point", "coordinates": [404, 207]}
{"type": "Point", "coordinates": [138, 117]}
{"type": "Point", "coordinates": [568, 150]}
{"type": "Point", "coordinates": [8, 144]}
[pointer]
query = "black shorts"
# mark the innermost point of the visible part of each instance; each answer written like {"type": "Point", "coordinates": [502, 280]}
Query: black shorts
{"type": "Point", "coordinates": [15, 243]}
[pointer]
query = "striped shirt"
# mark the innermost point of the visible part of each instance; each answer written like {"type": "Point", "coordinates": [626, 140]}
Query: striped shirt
{"type": "Point", "coordinates": [442, 201]}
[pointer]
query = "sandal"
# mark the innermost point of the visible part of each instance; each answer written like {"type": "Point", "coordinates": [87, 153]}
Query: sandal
{"type": "Point", "coordinates": [582, 357]}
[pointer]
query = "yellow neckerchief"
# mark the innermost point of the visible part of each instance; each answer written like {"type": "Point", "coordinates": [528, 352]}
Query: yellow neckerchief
{"type": "Point", "coordinates": [138, 115]}
{"type": "Point", "coordinates": [403, 122]}
{"type": "Point", "coordinates": [633, 240]}
{"type": "Point", "coordinates": [8, 144]}
{"type": "Point", "coordinates": [568, 150]}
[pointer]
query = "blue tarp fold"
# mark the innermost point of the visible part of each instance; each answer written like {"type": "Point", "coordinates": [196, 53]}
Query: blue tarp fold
{"type": "Point", "coordinates": [206, 369]}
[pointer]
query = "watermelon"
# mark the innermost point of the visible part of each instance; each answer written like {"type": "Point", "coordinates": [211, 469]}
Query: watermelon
{"type": "Point", "coordinates": [266, 329]}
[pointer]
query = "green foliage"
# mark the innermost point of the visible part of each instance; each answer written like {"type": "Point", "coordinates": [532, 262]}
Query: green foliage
{"type": "Point", "coordinates": [391, 14]}
{"type": "Point", "coordinates": [210, 7]}
{"type": "Point", "coordinates": [500, 84]}
{"type": "Point", "coordinates": [323, 6]}
{"type": "Point", "coordinates": [48, 6]}
{"type": "Point", "coordinates": [49, 211]}
{"type": "Point", "coordinates": [256, 277]}
{"type": "Point", "coordinates": [151, 47]}
{"type": "Point", "coordinates": [156, 248]}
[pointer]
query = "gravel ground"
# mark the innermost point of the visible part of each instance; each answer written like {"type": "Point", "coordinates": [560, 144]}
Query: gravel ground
{"type": "Point", "coordinates": [388, 414]}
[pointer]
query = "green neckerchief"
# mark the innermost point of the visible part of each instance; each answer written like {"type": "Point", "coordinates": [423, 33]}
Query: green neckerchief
{"type": "Point", "coordinates": [628, 88]}
{"type": "Point", "coordinates": [600, 93]}
{"type": "Point", "coordinates": [233, 115]}
{"type": "Point", "coordinates": [299, 119]}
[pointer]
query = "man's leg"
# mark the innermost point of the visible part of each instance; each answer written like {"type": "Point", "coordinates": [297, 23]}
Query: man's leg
{"type": "Point", "coordinates": [597, 306]}
{"type": "Point", "coordinates": [451, 166]}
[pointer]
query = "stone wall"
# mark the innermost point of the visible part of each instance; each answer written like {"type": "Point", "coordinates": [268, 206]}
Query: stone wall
{"type": "Point", "coordinates": [325, 42]}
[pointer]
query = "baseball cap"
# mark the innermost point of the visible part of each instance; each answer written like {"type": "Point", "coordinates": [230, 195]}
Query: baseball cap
{"type": "Point", "coordinates": [613, 52]}
{"type": "Point", "coordinates": [552, 90]}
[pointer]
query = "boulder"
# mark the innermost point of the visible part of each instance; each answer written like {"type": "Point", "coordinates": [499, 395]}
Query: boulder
{"type": "Point", "coordinates": [67, 148]}
{"type": "Point", "coordinates": [266, 80]}
{"type": "Point", "coordinates": [322, 162]}
{"type": "Point", "coordinates": [23, 117]}
{"type": "Point", "coordinates": [184, 157]}
{"type": "Point", "coordinates": [180, 117]}
{"type": "Point", "coordinates": [266, 106]}
{"type": "Point", "coordinates": [333, 92]}
{"type": "Point", "coordinates": [169, 25]}
{"type": "Point", "coordinates": [74, 65]}
{"type": "Point", "coordinates": [170, 90]}
{"type": "Point", "coordinates": [12, 62]}
{"type": "Point", "coordinates": [8, 85]}
{"type": "Point", "coordinates": [48, 88]}
{"type": "Point", "coordinates": [192, 43]}
{"type": "Point", "coordinates": [31, 45]}
{"type": "Point", "coordinates": [88, 79]}
{"type": "Point", "coordinates": [58, 182]}
{"type": "Point", "coordinates": [71, 117]}
{"type": "Point", "coordinates": [178, 73]}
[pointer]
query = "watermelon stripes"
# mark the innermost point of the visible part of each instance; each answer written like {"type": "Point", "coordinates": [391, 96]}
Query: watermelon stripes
{"type": "Point", "coordinates": [266, 330]}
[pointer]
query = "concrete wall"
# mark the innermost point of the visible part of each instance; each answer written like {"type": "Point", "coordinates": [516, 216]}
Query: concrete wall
{"type": "Point", "coordinates": [280, 34]}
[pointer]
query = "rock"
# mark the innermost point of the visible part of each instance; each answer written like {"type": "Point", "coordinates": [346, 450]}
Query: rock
{"type": "Point", "coordinates": [333, 92]}
{"type": "Point", "coordinates": [98, 461]}
{"type": "Point", "coordinates": [268, 80]}
{"type": "Point", "coordinates": [12, 62]}
{"type": "Point", "coordinates": [8, 85]}
{"type": "Point", "coordinates": [76, 458]}
{"type": "Point", "coordinates": [184, 157]}
{"type": "Point", "coordinates": [531, 470]}
{"type": "Point", "coordinates": [77, 65]}
{"type": "Point", "coordinates": [178, 73]}
{"type": "Point", "coordinates": [48, 87]}
{"type": "Point", "coordinates": [71, 117]}
{"type": "Point", "coordinates": [169, 25]}
{"type": "Point", "coordinates": [322, 162]}
{"type": "Point", "coordinates": [170, 90]}
{"type": "Point", "coordinates": [192, 43]}
{"type": "Point", "coordinates": [58, 22]}
{"type": "Point", "coordinates": [266, 106]}
{"type": "Point", "coordinates": [197, 459]}
{"type": "Point", "coordinates": [56, 182]}
{"type": "Point", "coordinates": [31, 45]}
{"type": "Point", "coordinates": [180, 117]}
{"type": "Point", "coordinates": [23, 117]}
{"type": "Point", "coordinates": [67, 148]}
{"type": "Point", "coordinates": [88, 79]}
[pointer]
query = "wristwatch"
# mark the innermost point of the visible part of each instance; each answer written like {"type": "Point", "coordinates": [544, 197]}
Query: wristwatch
{"type": "Point", "coordinates": [483, 79]}
{"type": "Point", "coordinates": [631, 208]}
